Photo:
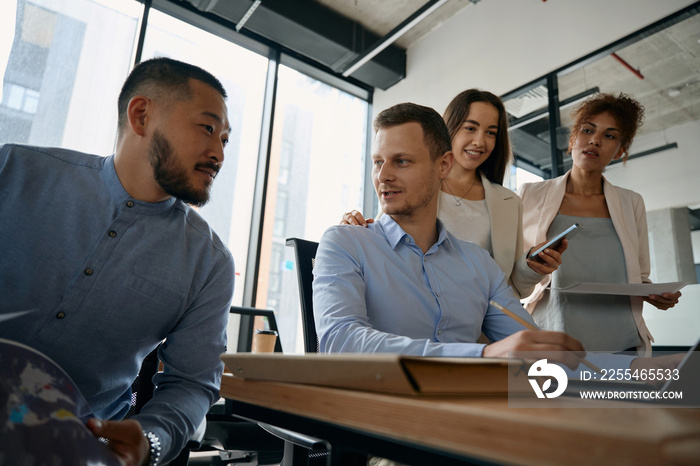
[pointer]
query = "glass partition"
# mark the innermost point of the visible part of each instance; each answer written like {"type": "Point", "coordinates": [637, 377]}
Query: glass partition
{"type": "Point", "coordinates": [658, 67]}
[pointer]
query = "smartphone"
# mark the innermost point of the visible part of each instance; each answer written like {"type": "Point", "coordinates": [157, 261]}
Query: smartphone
{"type": "Point", "coordinates": [554, 242]}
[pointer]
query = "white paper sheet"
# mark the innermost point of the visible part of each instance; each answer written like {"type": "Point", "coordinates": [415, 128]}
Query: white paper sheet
{"type": "Point", "coordinates": [626, 289]}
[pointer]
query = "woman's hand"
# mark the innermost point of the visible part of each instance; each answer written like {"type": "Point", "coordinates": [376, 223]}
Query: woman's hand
{"type": "Point", "coordinates": [354, 217]}
{"type": "Point", "coordinates": [548, 260]}
{"type": "Point", "coordinates": [665, 301]}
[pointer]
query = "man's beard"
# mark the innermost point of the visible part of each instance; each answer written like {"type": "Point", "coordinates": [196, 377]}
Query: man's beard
{"type": "Point", "coordinates": [425, 197]}
{"type": "Point", "coordinates": [171, 175]}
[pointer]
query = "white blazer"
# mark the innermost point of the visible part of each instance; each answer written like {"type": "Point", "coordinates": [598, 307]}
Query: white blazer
{"type": "Point", "coordinates": [541, 202]}
{"type": "Point", "coordinates": [506, 215]}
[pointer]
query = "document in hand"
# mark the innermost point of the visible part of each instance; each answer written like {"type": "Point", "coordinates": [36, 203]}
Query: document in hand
{"type": "Point", "coordinates": [42, 413]}
{"type": "Point", "coordinates": [626, 289]}
{"type": "Point", "coordinates": [389, 373]}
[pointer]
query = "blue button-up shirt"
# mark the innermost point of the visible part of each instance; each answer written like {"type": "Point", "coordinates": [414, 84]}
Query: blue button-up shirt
{"type": "Point", "coordinates": [107, 277]}
{"type": "Point", "coordinates": [375, 291]}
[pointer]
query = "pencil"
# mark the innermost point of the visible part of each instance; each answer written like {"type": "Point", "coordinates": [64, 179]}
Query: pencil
{"type": "Point", "coordinates": [528, 325]}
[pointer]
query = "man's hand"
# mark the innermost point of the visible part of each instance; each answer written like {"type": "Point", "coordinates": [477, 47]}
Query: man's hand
{"type": "Point", "coordinates": [556, 346]}
{"type": "Point", "coordinates": [665, 301]}
{"type": "Point", "coordinates": [548, 260]}
{"type": "Point", "coordinates": [355, 218]}
{"type": "Point", "coordinates": [126, 439]}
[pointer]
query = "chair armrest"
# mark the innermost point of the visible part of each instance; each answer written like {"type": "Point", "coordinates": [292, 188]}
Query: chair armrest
{"type": "Point", "coordinates": [306, 441]}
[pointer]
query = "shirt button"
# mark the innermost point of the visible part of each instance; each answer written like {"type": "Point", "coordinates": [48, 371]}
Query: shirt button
{"type": "Point", "coordinates": [407, 239]}
{"type": "Point", "coordinates": [88, 272]}
{"type": "Point", "coordinates": [112, 234]}
{"type": "Point", "coordinates": [437, 295]}
{"type": "Point", "coordinates": [440, 332]}
{"type": "Point", "coordinates": [60, 315]}
{"type": "Point", "coordinates": [130, 204]}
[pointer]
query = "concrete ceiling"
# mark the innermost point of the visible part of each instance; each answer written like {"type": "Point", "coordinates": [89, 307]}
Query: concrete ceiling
{"type": "Point", "coordinates": [668, 60]}
{"type": "Point", "coordinates": [382, 16]}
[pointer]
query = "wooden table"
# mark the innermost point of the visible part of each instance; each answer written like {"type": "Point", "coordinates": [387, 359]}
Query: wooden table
{"type": "Point", "coordinates": [441, 431]}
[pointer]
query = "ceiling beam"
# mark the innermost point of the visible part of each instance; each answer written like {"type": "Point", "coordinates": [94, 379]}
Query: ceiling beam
{"type": "Point", "coordinates": [420, 14]}
{"type": "Point", "coordinates": [312, 32]}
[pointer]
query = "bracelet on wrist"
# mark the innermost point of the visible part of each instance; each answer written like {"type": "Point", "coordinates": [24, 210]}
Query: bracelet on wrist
{"type": "Point", "coordinates": [154, 448]}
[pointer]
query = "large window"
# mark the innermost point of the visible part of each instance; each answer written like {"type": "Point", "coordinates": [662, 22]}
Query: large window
{"type": "Point", "coordinates": [242, 73]}
{"type": "Point", "coordinates": [319, 134]}
{"type": "Point", "coordinates": [66, 61]}
{"type": "Point", "coordinates": [64, 65]}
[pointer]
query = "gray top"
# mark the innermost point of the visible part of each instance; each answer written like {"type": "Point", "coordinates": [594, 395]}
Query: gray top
{"type": "Point", "coordinates": [600, 322]}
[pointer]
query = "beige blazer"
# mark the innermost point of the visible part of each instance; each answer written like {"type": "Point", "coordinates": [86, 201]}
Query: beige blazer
{"type": "Point", "coordinates": [541, 202]}
{"type": "Point", "coordinates": [506, 214]}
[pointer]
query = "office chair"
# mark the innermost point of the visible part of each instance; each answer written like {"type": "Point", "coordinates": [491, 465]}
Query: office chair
{"type": "Point", "coordinates": [242, 441]}
{"type": "Point", "coordinates": [237, 440]}
{"type": "Point", "coordinates": [305, 254]}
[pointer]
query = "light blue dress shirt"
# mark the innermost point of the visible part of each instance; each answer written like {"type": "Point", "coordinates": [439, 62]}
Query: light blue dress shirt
{"type": "Point", "coordinates": [107, 278]}
{"type": "Point", "coordinates": [375, 291]}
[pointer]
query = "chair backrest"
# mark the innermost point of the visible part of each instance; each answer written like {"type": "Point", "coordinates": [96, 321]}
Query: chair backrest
{"type": "Point", "coordinates": [305, 254]}
{"type": "Point", "coordinates": [247, 326]}
{"type": "Point", "coordinates": [142, 387]}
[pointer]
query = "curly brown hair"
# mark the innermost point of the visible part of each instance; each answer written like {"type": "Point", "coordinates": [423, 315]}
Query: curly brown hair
{"type": "Point", "coordinates": [627, 112]}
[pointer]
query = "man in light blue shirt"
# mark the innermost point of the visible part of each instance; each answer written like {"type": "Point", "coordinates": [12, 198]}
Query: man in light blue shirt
{"type": "Point", "coordinates": [405, 284]}
{"type": "Point", "coordinates": [110, 258]}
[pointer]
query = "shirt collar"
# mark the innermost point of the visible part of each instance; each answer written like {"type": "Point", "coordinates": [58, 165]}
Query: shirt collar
{"type": "Point", "coordinates": [395, 234]}
{"type": "Point", "coordinates": [120, 196]}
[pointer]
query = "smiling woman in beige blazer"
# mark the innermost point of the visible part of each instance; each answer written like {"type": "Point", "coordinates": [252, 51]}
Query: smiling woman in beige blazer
{"type": "Point", "coordinates": [613, 245]}
{"type": "Point", "coordinates": [473, 204]}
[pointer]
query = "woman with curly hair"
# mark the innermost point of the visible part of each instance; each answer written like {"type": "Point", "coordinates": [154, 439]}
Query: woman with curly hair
{"type": "Point", "coordinates": [613, 246]}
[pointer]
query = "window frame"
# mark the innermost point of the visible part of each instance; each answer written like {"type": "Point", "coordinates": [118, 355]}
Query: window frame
{"type": "Point", "coordinates": [550, 80]}
{"type": "Point", "coordinates": [277, 55]}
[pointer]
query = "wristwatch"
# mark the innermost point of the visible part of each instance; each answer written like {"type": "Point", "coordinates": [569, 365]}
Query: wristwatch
{"type": "Point", "coordinates": [154, 448]}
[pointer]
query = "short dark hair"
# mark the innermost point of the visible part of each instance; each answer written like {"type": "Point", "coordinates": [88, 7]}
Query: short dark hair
{"type": "Point", "coordinates": [494, 167]}
{"type": "Point", "coordinates": [627, 112]}
{"type": "Point", "coordinates": [435, 133]}
{"type": "Point", "coordinates": [162, 78]}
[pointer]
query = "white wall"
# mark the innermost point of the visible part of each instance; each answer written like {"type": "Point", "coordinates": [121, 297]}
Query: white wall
{"type": "Point", "coordinates": [500, 45]}
{"type": "Point", "coordinates": [665, 179]}
{"type": "Point", "coordinates": [679, 325]}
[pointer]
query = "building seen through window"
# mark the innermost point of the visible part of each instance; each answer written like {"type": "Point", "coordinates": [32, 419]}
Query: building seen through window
{"type": "Point", "coordinates": [64, 64]}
